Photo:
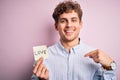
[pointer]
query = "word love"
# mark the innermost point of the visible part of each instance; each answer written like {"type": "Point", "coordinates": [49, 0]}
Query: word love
{"type": "Point", "coordinates": [40, 51]}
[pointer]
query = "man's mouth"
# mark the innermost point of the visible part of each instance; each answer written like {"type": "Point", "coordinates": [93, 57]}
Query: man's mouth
{"type": "Point", "coordinates": [69, 32]}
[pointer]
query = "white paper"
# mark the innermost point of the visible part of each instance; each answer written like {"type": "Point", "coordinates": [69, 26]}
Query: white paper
{"type": "Point", "coordinates": [40, 51]}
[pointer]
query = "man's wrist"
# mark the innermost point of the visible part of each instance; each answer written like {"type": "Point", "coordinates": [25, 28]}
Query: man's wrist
{"type": "Point", "coordinates": [112, 66]}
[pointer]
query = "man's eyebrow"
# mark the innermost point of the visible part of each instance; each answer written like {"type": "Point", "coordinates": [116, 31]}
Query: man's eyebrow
{"type": "Point", "coordinates": [66, 19]}
{"type": "Point", "coordinates": [62, 19]}
{"type": "Point", "coordinates": [74, 18]}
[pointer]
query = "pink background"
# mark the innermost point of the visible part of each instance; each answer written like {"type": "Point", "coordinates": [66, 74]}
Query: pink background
{"type": "Point", "coordinates": [27, 23]}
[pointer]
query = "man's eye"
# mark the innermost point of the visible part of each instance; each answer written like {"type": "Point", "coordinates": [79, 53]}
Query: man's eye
{"type": "Point", "coordinates": [74, 20]}
{"type": "Point", "coordinates": [62, 21]}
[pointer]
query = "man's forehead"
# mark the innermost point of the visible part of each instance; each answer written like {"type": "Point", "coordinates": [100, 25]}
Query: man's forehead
{"type": "Point", "coordinates": [72, 14]}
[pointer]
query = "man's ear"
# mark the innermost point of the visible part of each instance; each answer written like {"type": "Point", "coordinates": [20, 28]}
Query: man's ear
{"type": "Point", "coordinates": [56, 27]}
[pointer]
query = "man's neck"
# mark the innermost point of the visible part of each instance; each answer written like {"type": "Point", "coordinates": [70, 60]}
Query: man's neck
{"type": "Point", "coordinates": [69, 44]}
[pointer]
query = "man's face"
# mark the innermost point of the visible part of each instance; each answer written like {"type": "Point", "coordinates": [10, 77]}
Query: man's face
{"type": "Point", "coordinates": [69, 26]}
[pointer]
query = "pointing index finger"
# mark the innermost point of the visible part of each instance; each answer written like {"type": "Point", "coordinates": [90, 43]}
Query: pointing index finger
{"type": "Point", "coordinates": [91, 54]}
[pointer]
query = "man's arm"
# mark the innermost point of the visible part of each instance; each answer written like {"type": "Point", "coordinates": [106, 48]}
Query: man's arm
{"type": "Point", "coordinates": [106, 72]}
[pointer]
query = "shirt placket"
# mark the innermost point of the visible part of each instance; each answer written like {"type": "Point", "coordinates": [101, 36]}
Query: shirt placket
{"type": "Point", "coordinates": [70, 65]}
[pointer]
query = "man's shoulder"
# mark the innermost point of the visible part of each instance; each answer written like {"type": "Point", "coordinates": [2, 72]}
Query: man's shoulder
{"type": "Point", "coordinates": [52, 46]}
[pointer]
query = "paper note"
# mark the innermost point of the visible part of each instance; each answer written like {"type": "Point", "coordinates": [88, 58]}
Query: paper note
{"type": "Point", "coordinates": [40, 51]}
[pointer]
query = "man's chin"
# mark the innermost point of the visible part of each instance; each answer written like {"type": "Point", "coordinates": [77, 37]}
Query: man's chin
{"type": "Point", "coordinates": [69, 39]}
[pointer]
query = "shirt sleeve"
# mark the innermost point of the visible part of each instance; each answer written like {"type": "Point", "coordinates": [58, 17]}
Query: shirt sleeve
{"type": "Point", "coordinates": [33, 77]}
{"type": "Point", "coordinates": [103, 74]}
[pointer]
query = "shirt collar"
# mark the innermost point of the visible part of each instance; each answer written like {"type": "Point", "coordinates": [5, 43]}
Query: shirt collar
{"type": "Point", "coordinates": [75, 48]}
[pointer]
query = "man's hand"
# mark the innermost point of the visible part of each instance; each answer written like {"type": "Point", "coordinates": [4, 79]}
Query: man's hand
{"type": "Point", "coordinates": [40, 70]}
{"type": "Point", "coordinates": [100, 57]}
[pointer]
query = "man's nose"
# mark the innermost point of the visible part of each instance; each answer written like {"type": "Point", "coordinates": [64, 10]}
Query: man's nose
{"type": "Point", "coordinates": [69, 24]}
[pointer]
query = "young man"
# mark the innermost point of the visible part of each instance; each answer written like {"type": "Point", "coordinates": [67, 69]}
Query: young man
{"type": "Point", "coordinates": [70, 58]}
